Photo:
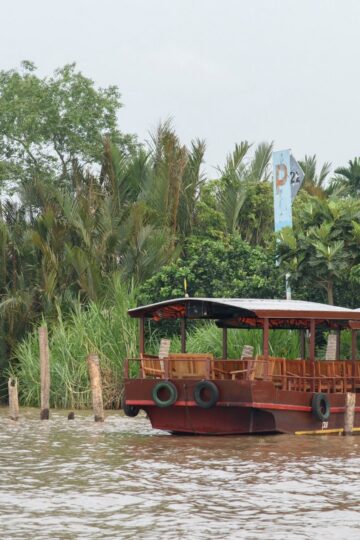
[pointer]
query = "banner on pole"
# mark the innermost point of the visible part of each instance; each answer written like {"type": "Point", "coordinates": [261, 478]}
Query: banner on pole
{"type": "Point", "coordinates": [296, 177]}
{"type": "Point", "coordinates": [282, 189]}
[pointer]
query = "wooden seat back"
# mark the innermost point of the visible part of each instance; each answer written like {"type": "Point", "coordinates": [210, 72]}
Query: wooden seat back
{"type": "Point", "coordinates": [151, 366]}
{"type": "Point", "coordinates": [190, 365]}
{"type": "Point", "coordinates": [222, 369]}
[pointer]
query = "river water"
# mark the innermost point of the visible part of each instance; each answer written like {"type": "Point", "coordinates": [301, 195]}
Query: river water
{"type": "Point", "coordinates": [63, 479]}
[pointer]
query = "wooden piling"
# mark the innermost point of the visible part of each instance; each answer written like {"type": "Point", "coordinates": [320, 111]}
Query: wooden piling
{"type": "Point", "coordinates": [96, 387]}
{"type": "Point", "coordinates": [350, 399]}
{"type": "Point", "coordinates": [71, 415]}
{"type": "Point", "coordinates": [44, 373]}
{"type": "Point", "coordinates": [13, 399]}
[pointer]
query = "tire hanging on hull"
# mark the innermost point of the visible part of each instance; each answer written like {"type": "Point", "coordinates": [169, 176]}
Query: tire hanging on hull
{"type": "Point", "coordinates": [168, 387]}
{"type": "Point", "coordinates": [320, 407]}
{"type": "Point", "coordinates": [211, 389]}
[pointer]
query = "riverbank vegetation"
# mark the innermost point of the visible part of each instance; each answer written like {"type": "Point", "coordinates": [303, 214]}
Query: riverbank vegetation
{"type": "Point", "coordinates": [94, 221]}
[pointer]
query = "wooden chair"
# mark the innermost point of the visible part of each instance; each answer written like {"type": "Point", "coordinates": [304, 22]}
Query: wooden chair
{"type": "Point", "coordinates": [223, 369]}
{"type": "Point", "coordinates": [328, 380]}
{"type": "Point", "coordinates": [297, 377]}
{"type": "Point", "coordinates": [279, 373]}
{"type": "Point", "coordinates": [220, 369]}
{"type": "Point", "coordinates": [153, 366]}
{"type": "Point", "coordinates": [245, 373]}
{"type": "Point", "coordinates": [352, 368]}
{"type": "Point", "coordinates": [257, 369]}
{"type": "Point", "coordinates": [190, 365]}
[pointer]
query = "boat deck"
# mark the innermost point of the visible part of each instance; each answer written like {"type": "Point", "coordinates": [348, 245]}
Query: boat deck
{"type": "Point", "coordinates": [300, 375]}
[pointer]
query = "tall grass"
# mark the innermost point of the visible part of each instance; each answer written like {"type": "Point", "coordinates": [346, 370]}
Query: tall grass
{"type": "Point", "coordinates": [104, 329]}
{"type": "Point", "coordinates": [208, 338]}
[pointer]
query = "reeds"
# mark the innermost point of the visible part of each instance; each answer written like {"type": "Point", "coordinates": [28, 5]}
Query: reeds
{"type": "Point", "coordinates": [208, 338]}
{"type": "Point", "coordinates": [104, 329]}
{"type": "Point", "coordinates": [107, 330]}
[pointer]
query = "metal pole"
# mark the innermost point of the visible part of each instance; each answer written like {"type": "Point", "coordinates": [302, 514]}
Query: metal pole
{"type": "Point", "coordinates": [287, 286]}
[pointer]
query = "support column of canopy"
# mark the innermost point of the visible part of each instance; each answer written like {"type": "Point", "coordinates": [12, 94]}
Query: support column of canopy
{"type": "Point", "coordinates": [183, 335]}
{"type": "Point", "coordinates": [266, 347]}
{"type": "Point", "coordinates": [302, 344]}
{"type": "Point", "coordinates": [337, 351]}
{"type": "Point", "coordinates": [312, 352]}
{"type": "Point", "coordinates": [141, 335]}
{"type": "Point", "coordinates": [224, 344]}
{"type": "Point", "coordinates": [353, 356]}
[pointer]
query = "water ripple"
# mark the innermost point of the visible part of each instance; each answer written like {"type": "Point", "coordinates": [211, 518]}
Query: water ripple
{"type": "Point", "coordinates": [121, 479]}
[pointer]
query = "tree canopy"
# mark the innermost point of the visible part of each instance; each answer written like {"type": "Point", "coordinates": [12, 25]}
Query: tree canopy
{"type": "Point", "coordinates": [93, 205]}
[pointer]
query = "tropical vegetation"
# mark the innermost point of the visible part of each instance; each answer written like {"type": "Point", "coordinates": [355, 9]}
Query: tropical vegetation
{"type": "Point", "coordinates": [94, 221]}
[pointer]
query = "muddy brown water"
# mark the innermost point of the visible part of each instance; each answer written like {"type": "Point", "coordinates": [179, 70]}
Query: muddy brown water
{"type": "Point", "coordinates": [123, 480]}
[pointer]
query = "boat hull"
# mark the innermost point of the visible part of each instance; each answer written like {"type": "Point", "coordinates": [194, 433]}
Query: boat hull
{"type": "Point", "coordinates": [243, 407]}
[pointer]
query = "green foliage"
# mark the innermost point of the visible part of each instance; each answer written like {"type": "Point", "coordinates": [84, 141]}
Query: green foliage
{"type": "Point", "coordinates": [93, 206]}
{"type": "Point", "coordinates": [208, 338]}
{"type": "Point", "coordinates": [104, 329]}
{"type": "Point", "coordinates": [46, 124]}
{"type": "Point", "coordinates": [323, 246]}
{"type": "Point", "coordinates": [348, 178]}
{"type": "Point", "coordinates": [315, 183]}
{"type": "Point", "coordinates": [214, 268]}
{"type": "Point", "coordinates": [240, 200]}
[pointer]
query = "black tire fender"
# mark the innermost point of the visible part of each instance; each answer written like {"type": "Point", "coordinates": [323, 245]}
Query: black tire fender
{"type": "Point", "coordinates": [170, 388]}
{"type": "Point", "coordinates": [211, 388]}
{"type": "Point", "coordinates": [130, 410]}
{"type": "Point", "coordinates": [320, 406]}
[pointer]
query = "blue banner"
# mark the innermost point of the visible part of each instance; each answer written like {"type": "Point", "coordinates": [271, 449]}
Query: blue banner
{"type": "Point", "coordinates": [282, 189]}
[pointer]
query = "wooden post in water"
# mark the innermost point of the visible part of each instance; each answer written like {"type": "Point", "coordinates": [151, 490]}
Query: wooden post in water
{"type": "Point", "coordinates": [13, 399]}
{"type": "Point", "coordinates": [96, 388]}
{"type": "Point", "coordinates": [44, 373]}
{"type": "Point", "coordinates": [350, 399]}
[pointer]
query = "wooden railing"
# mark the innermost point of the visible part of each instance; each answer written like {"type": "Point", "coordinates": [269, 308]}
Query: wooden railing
{"type": "Point", "coordinates": [293, 375]}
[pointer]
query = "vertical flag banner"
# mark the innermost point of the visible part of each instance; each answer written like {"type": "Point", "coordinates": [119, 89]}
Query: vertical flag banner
{"type": "Point", "coordinates": [282, 189]}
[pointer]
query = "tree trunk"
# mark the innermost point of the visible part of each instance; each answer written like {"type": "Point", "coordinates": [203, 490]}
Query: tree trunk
{"type": "Point", "coordinates": [330, 292]}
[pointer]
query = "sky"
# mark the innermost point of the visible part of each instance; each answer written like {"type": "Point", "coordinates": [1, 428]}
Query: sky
{"type": "Point", "coordinates": [286, 71]}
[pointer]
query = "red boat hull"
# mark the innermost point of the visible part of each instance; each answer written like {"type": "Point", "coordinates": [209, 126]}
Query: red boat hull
{"type": "Point", "coordinates": [243, 407]}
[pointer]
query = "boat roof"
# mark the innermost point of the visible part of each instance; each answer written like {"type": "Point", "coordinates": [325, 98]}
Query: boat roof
{"type": "Point", "coordinates": [238, 312]}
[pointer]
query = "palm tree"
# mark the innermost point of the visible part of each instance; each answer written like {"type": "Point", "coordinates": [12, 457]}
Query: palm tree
{"type": "Point", "coordinates": [315, 183]}
{"type": "Point", "coordinates": [349, 178]}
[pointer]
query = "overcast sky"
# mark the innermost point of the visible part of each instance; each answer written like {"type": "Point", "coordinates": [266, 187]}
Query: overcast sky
{"type": "Point", "coordinates": [225, 71]}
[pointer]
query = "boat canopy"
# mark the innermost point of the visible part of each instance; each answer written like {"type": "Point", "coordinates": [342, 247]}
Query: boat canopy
{"type": "Point", "coordinates": [251, 312]}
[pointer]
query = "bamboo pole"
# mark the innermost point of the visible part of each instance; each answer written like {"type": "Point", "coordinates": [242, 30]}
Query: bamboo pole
{"type": "Point", "coordinates": [350, 399]}
{"type": "Point", "coordinates": [44, 373]}
{"type": "Point", "coordinates": [13, 399]}
{"type": "Point", "coordinates": [96, 387]}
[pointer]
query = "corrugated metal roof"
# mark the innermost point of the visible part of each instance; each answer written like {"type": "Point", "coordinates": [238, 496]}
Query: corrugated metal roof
{"type": "Point", "coordinates": [253, 307]}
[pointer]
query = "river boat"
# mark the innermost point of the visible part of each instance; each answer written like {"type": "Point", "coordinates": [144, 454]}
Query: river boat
{"type": "Point", "coordinates": [254, 393]}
